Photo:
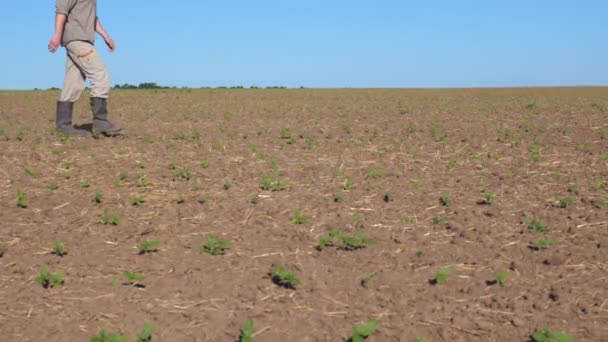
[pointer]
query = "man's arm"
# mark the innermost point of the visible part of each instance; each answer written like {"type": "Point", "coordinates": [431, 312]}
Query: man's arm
{"type": "Point", "coordinates": [106, 37]}
{"type": "Point", "coordinates": [55, 42]}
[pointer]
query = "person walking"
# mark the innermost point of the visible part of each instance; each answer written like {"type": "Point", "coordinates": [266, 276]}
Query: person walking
{"type": "Point", "coordinates": [76, 23]}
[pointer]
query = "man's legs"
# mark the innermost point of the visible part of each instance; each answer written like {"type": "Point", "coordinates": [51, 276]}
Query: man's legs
{"type": "Point", "coordinates": [73, 86]}
{"type": "Point", "coordinates": [86, 58]}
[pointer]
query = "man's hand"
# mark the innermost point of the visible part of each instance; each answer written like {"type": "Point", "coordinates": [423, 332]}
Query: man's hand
{"type": "Point", "coordinates": [54, 43]}
{"type": "Point", "coordinates": [110, 43]}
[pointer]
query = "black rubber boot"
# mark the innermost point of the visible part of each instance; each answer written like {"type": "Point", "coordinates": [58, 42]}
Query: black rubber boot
{"type": "Point", "coordinates": [64, 121]}
{"type": "Point", "coordinates": [101, 124]}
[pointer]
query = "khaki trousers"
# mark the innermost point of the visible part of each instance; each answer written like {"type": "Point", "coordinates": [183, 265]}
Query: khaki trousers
{"type": "Point", "coordinates": [83, 62]}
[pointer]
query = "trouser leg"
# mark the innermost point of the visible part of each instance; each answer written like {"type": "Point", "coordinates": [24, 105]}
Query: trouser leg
{"type": "Point", "coordinates": [86, 58]}
{"type": "Point", "coordinates": [74, 82]}
{"type": "Point", "coordinates": [73, 86]}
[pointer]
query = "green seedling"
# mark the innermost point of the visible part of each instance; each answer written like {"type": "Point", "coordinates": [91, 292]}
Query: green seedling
{"type": "Point", "coordinates": [133, 278]}
{"type": "Point", "coordinates": [442, 276]}
{"type": "Point", "coordinates": [48, 279]}
{"type": "Point", "coordinates": [247, 332]}
{"type": "Point", "coordinates": [197, 185]}
{"type": "Point", "coordinates": [408, 219]}
{"type": "Point", "coordinates": [2, 250]}
{"type": "Point", "coordinates": [181, 199]}
{"type": "Point", "coordinates": [227, 184]}
{"type": "Point", "coordinates": [598, 186]}
{"type": "Point", "coordinates": [489, 197]}
{"type": "Point", "coordinates": [112, 219]}
{"type": "Point", "coordinates": [31, 173]}
{"type": "Point", "coordinates": [52, 186]}
{"type": "Point", "coordinates": [281, 277]}
{"type": "Point", "coordinates": [66, 175]}
{"type": "Point", "coordinates": [255, 199]}
{"type": "Point", "coordinates": [499, 278]}
{"type": "Point", "coordinates": [604, 156]}
{"type": "Point", "coordinates": [374, 174]}
{"type": "Point", "coordinates": [287, 136]}
{"type": "Point", "coordinates": [117, 183]}
{"type": "Point", "coordinates": [146, 247]}
{"type": "Point", "coordinates": [419, 254]}
{"type": "Point", "coordinates": [175, 164]}
{"type": "Point", "coordinates": [298, 217]}
{"type": "Point", "coordinates": [142, 180]}
{"type": "Point", "coordinates": [446, 199]}
{"type": "Point", "coordinates": [215, 247]}
{"type": "Point", "coordinates": [123, 175]}
{"type": "Point", "coordinates": [104, 336]}
{"type": "Point", "coordinates": [138, 201]}
{"type": "Point", "coordinates": [547, 335]}
{"type": "Point", "coordinates": [584, 146]}
{"type": "Point", "coordinates": [339, 197]}
{"type": "Point", "coordinates": [68, 165]}
{"type": "Point", "coordinates": [203, 199]}
{"type": "Point", "coordinates": [98, 198]}
{"type": "Point", "coordinates": [343, 241]}
{"type": "Point", "coordinates": [439, 133]}
{"type": "Point", "coordinates": [141, 164]}
{"type": "Point", "coordinates": [204, 163]}
{"type": "Point", "coordinates": [145, 335]}
{"type": "Point", "coordinates": [388, 197]}
{"type": "Point", "coordinates": [21, 201]}
{"type": "Point", "coordinates": [362, 332]}
{"type": "Point", "coordinates": [565, 202]}
{"type": "Point", "coordinates": [358, 218]}
{"type": "Point", "coordinates": [419, 339]}
{"type": "Point", "coordinates": [269, 183]}
{"type": "Point", "coordinates": [538, 227]}
{"type": "Point", "coordinates": [183, 174]}
{"type": "Point", "coordinates": [438, 220]}
{"type": "Point", "coordinates": [541, 244]}
{"type": "Point", "coordinates": [348, 184]}
{"type": "Point", "coordinates": [59, 249]}
{"type": "Point", "coordinates": [367, 278]}
{"type": "Point", "coordinates": [417, 184]}
{"type": "Point", "coordinates": [85, 183]}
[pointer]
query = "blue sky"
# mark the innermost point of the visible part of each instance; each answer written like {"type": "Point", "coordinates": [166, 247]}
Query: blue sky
{"type": "Point", "coordinates": [324, 43]}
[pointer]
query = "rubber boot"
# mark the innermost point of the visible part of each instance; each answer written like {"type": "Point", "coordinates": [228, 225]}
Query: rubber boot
{"type": "Point", "coordinates": [63, 121]}
{"type": "Point", "coordinates": [101, 124]}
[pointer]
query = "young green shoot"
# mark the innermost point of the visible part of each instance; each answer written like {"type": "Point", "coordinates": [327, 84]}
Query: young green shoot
{"type": "Point", "coordinates": [298, 217]}
{"type": "Point", "coordinates": [343, 241]}
{"type": "Point", "coordinates": [367, 278]}
{"type": "Point", "coordinates": [21, 201]}
{"type": "Point", "coordinates": [547, 335]}
{"type": "Point", "coordinates": [362, 332]}
{"type": "Point", "coordinates": [59, 249]}
{"type": "Point", "coordinates": [138, 201]}
{"type": "Point", "coordinates": [442, 276]}
{"type": "Point", "coordinates": [538, 227]}
{"type": "Point", "coordinates": [110, 218]}
{"type": "Point", "coordinates": [446, 199]}
{"type": "Point", "coordinates": [281, 277]}
{"type": "Point", "coordinates": [541, 244]}
{"type": "Point", "coordinates": [214, 246]}
{"type": "Point", "coordinates": [48, 279]}
{"type": "Point", "coordinates": [247, 332]}
{"type": "Point", "coordinates": [134, 279]}
{"type": "Point", "coordinates": [145, 335]}
{"type": "Point", "coordinates": [98, 198]}
{"type": "Point", "coordinates": [85, 183]}
{"type": "Point", "coordinates": [104, 336]}
{"type": "Point", "coordinates": [146, 247]}
{"type": "Point", "coordinates": [499, 278]}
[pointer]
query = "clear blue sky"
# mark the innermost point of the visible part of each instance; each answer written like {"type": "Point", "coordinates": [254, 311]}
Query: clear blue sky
{"type": "Point", "coordinates": [324, 43]}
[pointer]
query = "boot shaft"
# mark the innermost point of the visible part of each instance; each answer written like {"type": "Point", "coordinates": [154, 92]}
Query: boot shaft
{"type": "Point", "coordinates": [64, 113]}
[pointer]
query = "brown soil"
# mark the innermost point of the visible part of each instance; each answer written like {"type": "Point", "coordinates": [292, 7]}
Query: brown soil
{"type": "Point", "coordinates": [529, 147]}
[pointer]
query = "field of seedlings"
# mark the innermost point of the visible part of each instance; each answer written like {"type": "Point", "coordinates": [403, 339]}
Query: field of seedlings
{"type": "Point", "coordinates": [308, 215]}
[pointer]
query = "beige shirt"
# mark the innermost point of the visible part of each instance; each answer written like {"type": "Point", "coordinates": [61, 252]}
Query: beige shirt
{"type": "Point", "coordinates": [81, 20]}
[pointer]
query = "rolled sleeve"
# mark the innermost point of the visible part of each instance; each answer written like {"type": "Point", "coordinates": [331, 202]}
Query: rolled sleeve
{"type": "Point", "coordinates": [64, 6]}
